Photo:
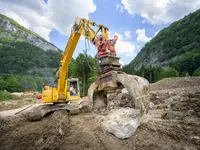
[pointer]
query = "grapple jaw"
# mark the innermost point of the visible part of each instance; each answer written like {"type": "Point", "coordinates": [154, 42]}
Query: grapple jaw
{"type": "Point", "coordinates": [117, 89]}
{"type": "Point", "coordinates": [107, 81]}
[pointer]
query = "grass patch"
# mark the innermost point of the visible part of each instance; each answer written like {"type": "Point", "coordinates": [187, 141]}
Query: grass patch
{"type": "Point", "coordinates": [4, 96]}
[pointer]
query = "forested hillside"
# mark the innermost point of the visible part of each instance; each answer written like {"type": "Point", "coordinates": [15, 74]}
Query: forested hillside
{"type": "Point", "coordinates": [27, 61]}
{"type": "Point", "coordinates": [177, 46]}
{"type": "Point", "coordinates": [22, 57]}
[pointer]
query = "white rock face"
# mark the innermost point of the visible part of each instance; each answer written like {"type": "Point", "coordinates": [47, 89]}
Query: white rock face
{"type": "Point", "coordinates": [13, 32]}
{"type": "Point", "coordinates": [122, 122]}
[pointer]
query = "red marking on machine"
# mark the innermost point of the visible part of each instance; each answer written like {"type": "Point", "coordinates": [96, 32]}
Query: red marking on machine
{"type": "Point", "coordinates": [105, 46]}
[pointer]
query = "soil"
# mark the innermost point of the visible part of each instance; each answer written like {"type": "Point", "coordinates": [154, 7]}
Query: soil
{"type": "Point", "coordinates": [13, 104]}
{"type": "Point", "coordinates": [172, 123]}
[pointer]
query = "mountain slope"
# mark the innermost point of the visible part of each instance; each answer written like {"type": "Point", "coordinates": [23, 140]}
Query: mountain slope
{"type": "Point", "coordinates": [170, 43]}
{"type": "Point", "coordinates": [26, 59]}
{"type": "Point", "coordinates": [10, 30]}
{"type": "Point", "coordinates": [23, 51]}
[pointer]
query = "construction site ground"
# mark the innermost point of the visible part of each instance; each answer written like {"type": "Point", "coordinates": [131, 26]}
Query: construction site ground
{"type": "Point", "coordinates": [173, 122]}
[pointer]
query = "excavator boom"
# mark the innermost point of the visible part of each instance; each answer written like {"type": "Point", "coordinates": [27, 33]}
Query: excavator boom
{"type": "Point", "coordinates": [106, 57]}
{"type": "Point", "coordinates": [111, 80]}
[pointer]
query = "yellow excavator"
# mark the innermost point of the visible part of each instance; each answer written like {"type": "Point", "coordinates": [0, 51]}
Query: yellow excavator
{"type": "Point", "coordinates": [110, 81]}
{"type": "Point", "coordinates": [105, 46]}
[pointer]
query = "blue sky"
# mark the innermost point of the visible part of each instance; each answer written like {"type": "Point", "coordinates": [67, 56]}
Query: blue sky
{"type": "Point", "coordinates": [106, 13]}
{"type": "Point", "coordinates": [134, 21]}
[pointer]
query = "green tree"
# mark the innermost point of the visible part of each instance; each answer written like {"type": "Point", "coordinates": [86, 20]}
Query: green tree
{"type": "Point", "coordinates": [84, 68]}
{"type": "Point", "coordinates": [169, 72]}
{"type": "Point", "coordinates": [12, 84]}
{"type": "Point", "coordinates": [28, 83]}
{"type": "Point", "coordinates": [196, 72]}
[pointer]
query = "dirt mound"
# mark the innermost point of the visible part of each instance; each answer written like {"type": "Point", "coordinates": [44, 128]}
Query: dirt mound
{"type": "Point", "coordinates": [178, 82]}
{"type": "Point", "coordinates": [177, 116]}
{"type": "Point", "coordinates": [172, 123]}
{"type": "Point", "coordinates": [18, 133]}
{"type": "Point", "coordinates": [13, 104]}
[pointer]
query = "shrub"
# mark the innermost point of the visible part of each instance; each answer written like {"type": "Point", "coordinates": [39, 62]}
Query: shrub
{"type": "Point", "coordinates": [196, 72]}
{"type": "Point", "coordinates": [5, 96]}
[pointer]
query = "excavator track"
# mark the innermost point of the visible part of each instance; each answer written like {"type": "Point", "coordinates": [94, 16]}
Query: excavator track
{"type": "Point", "coordinates": [39, 112]}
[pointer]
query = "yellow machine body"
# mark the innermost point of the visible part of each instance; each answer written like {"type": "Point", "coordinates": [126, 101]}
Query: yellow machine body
{"type": "Point", "coordinates": [61, 93]}
{"type": "Point", "coordinates": [50, 94]}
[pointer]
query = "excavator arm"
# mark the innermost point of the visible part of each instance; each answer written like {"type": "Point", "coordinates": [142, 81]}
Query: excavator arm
{"type": "Point", "coordinates": [111, 81]}
{"type": "Point", "coordinates": [81, 27]}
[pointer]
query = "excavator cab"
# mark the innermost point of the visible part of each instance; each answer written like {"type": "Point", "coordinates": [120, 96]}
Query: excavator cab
{"type": "Point", "coordinates": [73, 90]}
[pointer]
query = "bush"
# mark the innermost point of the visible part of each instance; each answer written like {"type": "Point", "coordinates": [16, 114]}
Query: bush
{"type": "Point", "coordinates": [170, 72]}
{"type": "Point", "coordinates": [5, 96]}
{"type": "Point", "coordinates": [153, 74]}
{"type": "Point", "coordinates": [196, 72]}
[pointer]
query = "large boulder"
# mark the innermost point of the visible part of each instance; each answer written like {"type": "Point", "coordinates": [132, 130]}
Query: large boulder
{"type": "Point", "coordinates": [122, 122]}
{"type": "Point", "coordinates": [138, 89]}
{"type": "Point", "coordinates": [132, 91]}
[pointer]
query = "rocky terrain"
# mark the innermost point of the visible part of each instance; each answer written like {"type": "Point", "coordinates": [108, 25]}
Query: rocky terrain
{"type": "Point", "coordinates": [172, 122]}
{"type": "Point", "coordinates": [11, 30]}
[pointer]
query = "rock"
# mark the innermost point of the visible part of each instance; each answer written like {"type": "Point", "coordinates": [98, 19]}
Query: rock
{"type": "Point", "coordinates": [191, 120]}
{"type": "Point", "coordinates": [151, 105]}
{"type": "Point", "coordinates": [138, 88]}
{"type": "Point", "coordinates": [190, 113]}
{"type": "Point", "coordinates": [34, 115]}
{"type": "Point", "coordinates": [40, 141]}
{"type": "Point", "coordinates": [113, 100]}
{"type": "Point", "coordinates": [85, 106]}
{"type": "Point", "coordinates": [124, 90]}
{"type": "Point", "coordinates": [170, 115]}
{"type": "Point", "coordinates": [122, 122]}
{"type": "Point", "coordinates": [133, 91]}
{"type": "Point", "coordinates": [61, 131]}
{"type": "Point", "coordinates": [127, 100]}
{"type": "Point", "coordinates": [195, 139]}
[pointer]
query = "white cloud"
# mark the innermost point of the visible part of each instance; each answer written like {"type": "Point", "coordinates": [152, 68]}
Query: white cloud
{"type": "Point", "coordinates": [43, 32]}
{"type": "Point", "coordinates": [160, 11]}
{"type": "Point", "coordinates": [120, 7]}
{"type": "Point", "coordinates": [19, 19]}
{"type": "Point", "coordinates": [128, 34]}
{"type": "Point", "coordinates": [42, 18]}
{"type": "Point", "coordinates": [156, 33]}
{"type": "Point", "coordinates": [141, 37]}
{"type": "Point", "coordinates": [144, 21]}
{"type": "Point", "coordinates": [64, 13]}
{"type": "Point", "coordinates": [121, 62]}
{"type": "Point", "coordinates": [124, 46]}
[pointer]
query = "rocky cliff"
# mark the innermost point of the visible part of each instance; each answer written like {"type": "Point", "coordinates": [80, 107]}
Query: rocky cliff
{"type": "Point", "coordinates": [10, 30]}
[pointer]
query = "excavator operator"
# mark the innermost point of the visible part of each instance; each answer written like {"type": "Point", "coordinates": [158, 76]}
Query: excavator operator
{"type": "Point", "coordinates": [72, 90]}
